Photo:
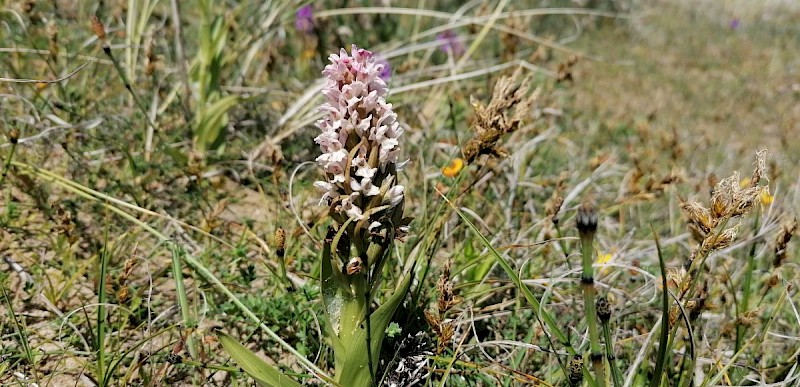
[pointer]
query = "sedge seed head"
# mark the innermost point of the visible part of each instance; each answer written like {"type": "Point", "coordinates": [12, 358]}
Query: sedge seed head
{"type": "Point", "coordinates": [98, 28]}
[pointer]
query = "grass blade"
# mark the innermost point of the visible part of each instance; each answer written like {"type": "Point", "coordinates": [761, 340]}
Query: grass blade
{"type": "Point", "coordinates": [663, 345]}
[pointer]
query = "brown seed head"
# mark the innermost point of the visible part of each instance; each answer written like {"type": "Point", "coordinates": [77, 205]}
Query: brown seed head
{"type": "Point", "coordinates": [98, 28]}
{"type": "Point", "coordinates": [553, 206]}
{"type": "Point", "coordinates": [13, 135]}
{"type": "Point", "coordinates": [280, 241]}
{"type": "Point", "coordinates": [788, 228]}
{"type": "Point", "coordinates": [123, 294]}
{"type": "Point", "coordinates": [725, 238]}
{"type": "Point", "coordinates": [674, 314]}
{"type": "Point", "coordinates": [699, 220]}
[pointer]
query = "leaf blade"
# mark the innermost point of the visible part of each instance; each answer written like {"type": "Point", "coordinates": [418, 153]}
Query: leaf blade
{"type": "Point", "coordinates": [258, 369]}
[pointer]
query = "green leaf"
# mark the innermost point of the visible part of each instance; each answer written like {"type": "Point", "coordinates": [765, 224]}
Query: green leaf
{"type": "Point", "coordinates": [211, 120]}
{"type": "Point", "coordinates": [261, 371]}
{"type": "Point", "coordinates": [661, 359]}
{"type": "Point", "coordinates": [379, 320]}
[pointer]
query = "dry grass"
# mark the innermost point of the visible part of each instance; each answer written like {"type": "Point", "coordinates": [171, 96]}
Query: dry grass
{"type": "Point", "coordinates": [638, 115]}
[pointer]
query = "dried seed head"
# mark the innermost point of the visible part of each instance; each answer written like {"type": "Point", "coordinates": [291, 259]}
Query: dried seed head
{"type": "Point", "coordinates": [745, 199]}
{"type": "Point", "coordinates": [679, 277]}
{"type": "Point", "coordinates": [586, 220]}
{"type": "Point", "coordinates": [447, 298]}
{"type": "Point", "coordinates": [674, 314]}
{"type": "Point", "coordinates": [280, 242]}
{"type": "Point", "coordinates": [98, 28]}
{"type": "Point", "coordinates": [725, 238]}
{"type": "Point", "coordinates": [788, 228]}
{"type": "Point", "coordinates": [553, 206]}
{"type": "Point", "coordinates": [576, 370]}
{"type": "Point", "coordinates": [123, 294]}
{"type": "Point", "coordinates": [511, 103]}
{"type": "Point", "coordinates": [28, 5]}
{"type": "Point", "coordinates": [13, 135]}
{"type": "Point", "coordinates": [760, 169]}
{"type": "Point", "coordinates": [130, 263]}
{"type": "Point", "coordinates": [722, 197]}
{"type": "Point", "coordinates": [773, 280]}
{"type": "Point", "coordinates": [603, 309]}
{"type": "Point", "coordinates": [699, 218]}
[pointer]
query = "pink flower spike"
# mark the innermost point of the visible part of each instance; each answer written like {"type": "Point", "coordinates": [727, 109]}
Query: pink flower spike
{"type": "Point", "coordinates": [359, 140]}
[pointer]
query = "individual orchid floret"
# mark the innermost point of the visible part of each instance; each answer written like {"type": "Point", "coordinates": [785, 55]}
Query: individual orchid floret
{"type": "Point", "coordinates": [360, 144]}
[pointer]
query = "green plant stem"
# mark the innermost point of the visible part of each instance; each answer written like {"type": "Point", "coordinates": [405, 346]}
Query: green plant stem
{"type": "Point", "coordinates": [8, 162]}
{"type": "Point", "coordinates": [746, 289]}
{"type": "Point", "coordinates": [101, 313]}
{"type": "Point", "coordinates": [665, 340]}
{"type": "Point", "coordinates": [589, 292]}
{"type": "Point", "coordinates": [616, 376]}
{"type": "Point", "coordinates": [189, 321]}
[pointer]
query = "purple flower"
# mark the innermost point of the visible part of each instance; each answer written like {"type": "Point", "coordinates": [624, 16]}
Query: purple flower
{"type": "Point", "coordinates": [735, 23]}
{"type": "Point", "coordinates": [304, 19]}
{"type": "Point", "coordinates": [449, 41]}
{"type": "Point", "coordinates": [386, 72]}
{"type": "Point", "coordinates": [359, 143]}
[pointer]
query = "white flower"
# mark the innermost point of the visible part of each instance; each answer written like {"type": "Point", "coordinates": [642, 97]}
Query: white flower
{"type": "Point", "coordinates": [394, 195]}
{"type": "Point", "coordinates": [350, 209]}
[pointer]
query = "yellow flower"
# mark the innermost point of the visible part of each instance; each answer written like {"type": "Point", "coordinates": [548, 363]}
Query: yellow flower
{"type": "Point", "coordinates": [454, 168]}
{"type": "Point", "coordinates": [602, 260]}
{"type": "Point", "coordinates": [765, 197]}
